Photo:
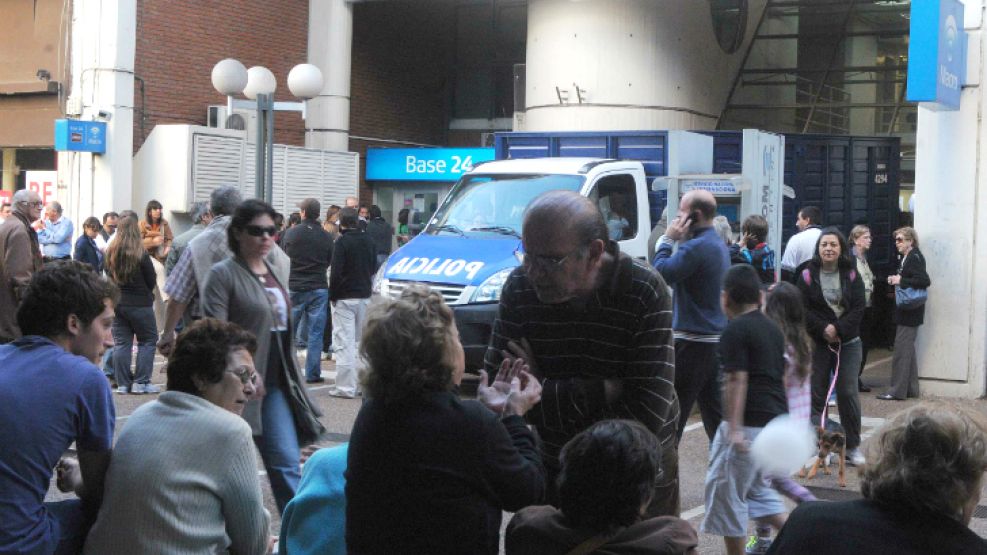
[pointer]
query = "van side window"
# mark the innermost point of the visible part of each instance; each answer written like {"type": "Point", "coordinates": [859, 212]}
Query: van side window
{"type": "Point", "coordinates": [616, 196]}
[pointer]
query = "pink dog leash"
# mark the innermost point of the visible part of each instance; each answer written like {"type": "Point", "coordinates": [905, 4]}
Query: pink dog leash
{"type": "Point", "coordinates": [832, 385]}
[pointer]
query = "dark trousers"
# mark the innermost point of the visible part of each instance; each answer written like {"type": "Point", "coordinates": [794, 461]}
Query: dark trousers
{"type": "Point", "coordinates": [697, 379]}
{"type": "Point", "coordinates": [904, 367]}
{"type": "Point", "coordinates": [867, 334]}
{"type": "Point", "coordinates": [130, 322]}
{"type": "Point", "coordinates": [847, 396]}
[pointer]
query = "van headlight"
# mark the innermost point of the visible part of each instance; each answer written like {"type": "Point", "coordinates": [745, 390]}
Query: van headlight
{"type": "Point", "coordinates": [489, 290]}
{"type": "Point", "coordinates": [379, 285]}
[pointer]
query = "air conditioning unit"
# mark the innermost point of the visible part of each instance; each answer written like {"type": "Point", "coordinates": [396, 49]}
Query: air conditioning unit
{"type": "Point", "coordinates": [245, 120]}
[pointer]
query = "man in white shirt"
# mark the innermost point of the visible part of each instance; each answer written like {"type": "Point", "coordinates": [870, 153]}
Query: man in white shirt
{"type": "Point", "coordinates": [802, 245]}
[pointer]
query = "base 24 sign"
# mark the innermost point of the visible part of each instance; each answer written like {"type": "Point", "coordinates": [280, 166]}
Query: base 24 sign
{"type": "Point", "coordinates": [423, 164]}
{"type": "Point", "coordinates": [936, 54]}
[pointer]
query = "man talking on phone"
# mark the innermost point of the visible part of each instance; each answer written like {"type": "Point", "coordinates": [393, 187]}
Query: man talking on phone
{"type": "Point", "coordinates": [695, 271]}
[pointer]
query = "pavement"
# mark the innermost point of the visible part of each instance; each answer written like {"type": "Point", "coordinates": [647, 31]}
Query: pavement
{"type": "Point", "coordinates": [339, 415]}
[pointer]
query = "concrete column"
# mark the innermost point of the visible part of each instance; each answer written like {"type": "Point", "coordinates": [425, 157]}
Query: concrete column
{"type": "Point", "coordinates": [951, 221]}
{"type": "Point", "coordinates": [643, 65]}
{"type": "Point", "coordinates": [103, 44]}
{"type": "Point", "coordinates": [10, 169]}
{"type": "Point", "coordinates": [330, 43]}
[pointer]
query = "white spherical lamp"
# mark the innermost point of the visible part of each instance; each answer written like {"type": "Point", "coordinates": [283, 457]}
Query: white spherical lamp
{"type": "Point", "coordinates": [260, 80]}
{"type": "Point", "coordinates": [305, 81]}
{"type": "Point", "coordinates": [229, 77]}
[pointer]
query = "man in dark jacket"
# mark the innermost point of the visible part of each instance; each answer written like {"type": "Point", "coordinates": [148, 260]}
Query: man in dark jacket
{"type": "Point", "coordinates": [20, 258]}
{"type": "Point", "coordinates": [354, 261]}
{"type": "Point", "coordinates": [310, 249]}
{"type": "Point", "coordinates": [381, 232]}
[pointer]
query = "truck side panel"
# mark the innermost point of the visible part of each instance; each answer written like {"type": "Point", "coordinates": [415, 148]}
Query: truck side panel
{"type": "Point", "coordinates": [647, 147]}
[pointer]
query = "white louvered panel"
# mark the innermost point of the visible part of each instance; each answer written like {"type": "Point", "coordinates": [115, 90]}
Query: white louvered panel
{"type": "Point", "coordinates": [216, 161]}
{"type": "Point", "coordinates": [304, 176]}
{"type": "Point", "coordinates": [278, 186]}
{"type": "Point", "coordinates": [340, 176]}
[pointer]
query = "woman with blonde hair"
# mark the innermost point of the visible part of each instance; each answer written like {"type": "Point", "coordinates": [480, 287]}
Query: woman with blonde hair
{"type": "Point", "coordinates": [860, 241]}
{"type": "Point", "coordinates": [332, 221]}
{"type": "Point", "coordinates": [911, 274]}
{"type": "Point", "coordinates": [129, 266]}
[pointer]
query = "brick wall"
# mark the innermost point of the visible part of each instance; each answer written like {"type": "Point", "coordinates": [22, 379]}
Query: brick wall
{"type": "Point", "coordinates": [403, 56]}
{"type": "Point", "coordinates": [178, 43]}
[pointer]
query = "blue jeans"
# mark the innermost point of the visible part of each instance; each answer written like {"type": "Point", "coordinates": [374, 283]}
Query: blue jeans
{"type": "Point", "coordinates": [311, 304]}
{"type": "Point", "coordinates": [278, 446]}
{"type": "Point", "coordinates": [72, 525]}
{"type": "Point", "coordinates": [131, 321]}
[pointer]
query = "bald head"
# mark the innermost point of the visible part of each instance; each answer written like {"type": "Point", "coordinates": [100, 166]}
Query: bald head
{"type": "Point", "coordinates": [702, 202]}
{"type": "Point", "coordinates": [559, 213]}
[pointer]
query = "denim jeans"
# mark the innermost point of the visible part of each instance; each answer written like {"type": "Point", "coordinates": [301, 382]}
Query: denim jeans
{"type": "Point", "coordinates": [278, 446]}
{"type": "Point", "coordinates": [311, 304]}
{"type": "Point", "coordinates": [134, 321]}
{"type": "Point", "coordinates": [72, 525]}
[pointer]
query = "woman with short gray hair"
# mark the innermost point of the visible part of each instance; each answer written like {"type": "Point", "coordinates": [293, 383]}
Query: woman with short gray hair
{"type": "Point", "coordinates": [436, 469]}
{"type": "Point", "coordinates": [921, 484]}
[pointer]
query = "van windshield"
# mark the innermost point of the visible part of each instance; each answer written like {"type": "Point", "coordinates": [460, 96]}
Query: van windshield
{"type": "Point", "coordinates": [494, 203]}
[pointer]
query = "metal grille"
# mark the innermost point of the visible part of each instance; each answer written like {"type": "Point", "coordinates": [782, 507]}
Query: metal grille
{"type": "Point", "coordinates": [298, 173]}
{"type": "Point", "coordinates": [450, 293]}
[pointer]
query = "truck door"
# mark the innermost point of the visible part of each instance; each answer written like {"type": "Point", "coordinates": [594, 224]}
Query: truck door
{"type": "Point", "coordinates": [617, 197]}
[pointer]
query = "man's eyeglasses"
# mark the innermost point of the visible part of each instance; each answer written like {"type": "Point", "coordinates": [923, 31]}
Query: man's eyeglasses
{"type": "Point", "coordinates": [246, 376]}
{"type": "Point", "coordinates": [36, 204]}
{"type": "Point", "coordinates": [542, 261]}
{"type": "Point", "coordinates": [899, 239]}
{"type": "Point", "coordinates": [258, 231]}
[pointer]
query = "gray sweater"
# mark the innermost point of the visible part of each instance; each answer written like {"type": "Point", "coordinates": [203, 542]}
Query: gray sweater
{"type": "Point", "coordinates": [182, 480]}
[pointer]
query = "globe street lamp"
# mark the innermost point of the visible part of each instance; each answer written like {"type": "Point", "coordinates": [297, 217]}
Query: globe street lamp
{"type": "Point", "coordinates": [230, 77]}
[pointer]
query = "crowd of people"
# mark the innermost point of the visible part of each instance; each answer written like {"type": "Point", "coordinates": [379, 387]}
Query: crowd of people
{"type": "Point", "coordinates": [595, 361]}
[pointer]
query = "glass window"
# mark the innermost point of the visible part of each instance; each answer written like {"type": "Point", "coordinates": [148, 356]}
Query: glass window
{"type": "Point", "coordinates": [616, 195]}
{"type": "Point", "coordinates": [494, 204]}
{"type": "Point", "coordinates": [729, 23]}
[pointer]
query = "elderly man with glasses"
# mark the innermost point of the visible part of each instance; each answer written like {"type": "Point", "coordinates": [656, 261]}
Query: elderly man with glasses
{"type": "Point", "coordinates": [20, 258]}
{"type": "Point", "coordinates": [55, 234]}
{"type": "Point", "coordinates": [595, 327]}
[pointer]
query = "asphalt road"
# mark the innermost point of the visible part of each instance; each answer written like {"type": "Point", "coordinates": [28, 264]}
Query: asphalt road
{"type": "Point", "coordinates": [339, 415]}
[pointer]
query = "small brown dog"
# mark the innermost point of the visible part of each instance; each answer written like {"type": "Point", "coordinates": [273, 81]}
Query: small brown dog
{"type": "Point", "coordinates": [831, 441]}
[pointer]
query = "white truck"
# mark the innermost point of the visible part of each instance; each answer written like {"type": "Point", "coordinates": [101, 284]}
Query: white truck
{"type": "Point", "coordinates": [473, 242]}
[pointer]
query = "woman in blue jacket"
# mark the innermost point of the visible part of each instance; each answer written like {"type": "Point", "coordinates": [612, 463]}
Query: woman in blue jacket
{"type": "Point", "coordinates": [85, 246]}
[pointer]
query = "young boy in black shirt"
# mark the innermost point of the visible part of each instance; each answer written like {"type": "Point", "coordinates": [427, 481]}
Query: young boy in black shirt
{"type": "Point", "coordinates": [752, 354]}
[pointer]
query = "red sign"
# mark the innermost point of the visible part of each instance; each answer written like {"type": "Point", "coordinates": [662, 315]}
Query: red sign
{"type": "Point", "coordinates": [45, 183]}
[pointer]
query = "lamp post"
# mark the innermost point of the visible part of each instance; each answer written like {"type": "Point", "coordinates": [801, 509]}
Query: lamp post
{"type": "Point", "coordinates": [230, 77]}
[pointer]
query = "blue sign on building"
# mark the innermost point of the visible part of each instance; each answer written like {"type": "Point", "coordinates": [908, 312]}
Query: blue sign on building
{"type": "Point", "coordinates": [80, 136]}
{"type": "Point", "coordinates": [936, 54]}
{"type": "Point", "coordinates": [423, 164]}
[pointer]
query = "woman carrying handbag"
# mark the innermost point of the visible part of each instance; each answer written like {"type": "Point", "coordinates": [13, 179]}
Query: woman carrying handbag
{"type": "Point", "coordinates": [911, 281]}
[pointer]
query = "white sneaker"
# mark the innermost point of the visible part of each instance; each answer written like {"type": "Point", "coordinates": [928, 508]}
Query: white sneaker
{"type": "Point", "coordinates": [122, 390]}
{"type": "Point", "coordinates": [832, 402]}
{"type": "Point", "coordinates": [142, 388]}
{"type": "Point", "coordinates": [855, 458]}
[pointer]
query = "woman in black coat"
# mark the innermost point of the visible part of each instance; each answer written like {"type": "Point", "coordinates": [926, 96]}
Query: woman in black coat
{"type": "Point", "coordinates": [834, 307]}
{"type": "Point", "coordinates": [428, 472]}
{"type": "Point", "coordinates": [911, 273]}
{"type": "Point", "coordinates": [85, 246]}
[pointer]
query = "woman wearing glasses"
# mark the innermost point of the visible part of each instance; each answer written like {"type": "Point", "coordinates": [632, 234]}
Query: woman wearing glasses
{"type": "Point", "coordinates": [251, 293]}
{"type": "Point", "coordinates": [911, 273]}
{"type": "Point", "coordinates": [183, 478]}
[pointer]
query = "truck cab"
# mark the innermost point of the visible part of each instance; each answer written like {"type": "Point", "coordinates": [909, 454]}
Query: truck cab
{"type": "Point", "coordinates": [473, 242]}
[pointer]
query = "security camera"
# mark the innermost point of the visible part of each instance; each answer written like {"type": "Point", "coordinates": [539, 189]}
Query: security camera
{"type": "Point", "coordinates": [105, 115]}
